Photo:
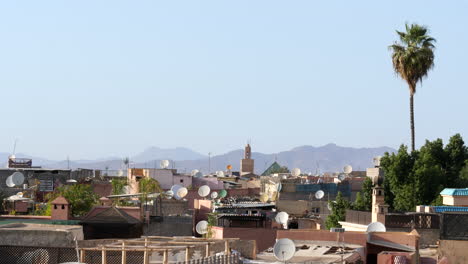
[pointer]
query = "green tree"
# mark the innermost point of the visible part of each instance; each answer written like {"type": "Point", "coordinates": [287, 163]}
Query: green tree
{"type": "Point", "coordinates": [463, 178]}
{"type": "Point", "coordinates": [412, 59]}
{"type": "Point", "coordinates": [118, 185]}
{"type": "Point", "coordinates": [146, 186]}
{"type": "Point", "coordinates": [80, 196]}
{"type": "Point", "coordinates": [399, 178]}
{"type": "Point", "coordinates": [428, 172]}
{"type": "Point", "coordinates": [338, 212]}
{"type": "Point", "coordinates": [366, 194]}
{"type": "Point", "coordinates": [359, 203]}
{"type": "Point", "coordinates": [456, 155]}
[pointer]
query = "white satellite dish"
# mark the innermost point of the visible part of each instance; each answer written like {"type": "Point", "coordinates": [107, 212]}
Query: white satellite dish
{"type": "Point", "coordinates": [204, 190]}
{"type": "Point", "coordinates": [220, 173]}
{"type": "Point", "coordinates": [164, 164]}
{"type": "Point", "coordinates": [284, 249]}
{"type": "Point", "coordinates": [16, 179]}
{"type": "Point", "coordinates": [319, 194]}
{"type": "Point", "coordinates": [296, 172]}
{"type": "Point", "coordinates": [175, 188]}
{"type": "Point", "coordinates": [282, 218]}
{"type": "Point", "coordinates": [214, 195]}
{"type": "Point", "coordinates": [347, 169]}
{"type": "Point", "coordinates": [202, 227]}
{"type": "Point", "coordinates": [341, 177]}
{"type": "Point", "coordinates": [120, 173]}
{"type": "Point", "coordinates": [376, 227]}
{"type": "Point", "coordinates": [169, 194]}
{"type": "Point", "coordinates": [199, 174]}
{"type": "Point", "coordinates": [182, 192]}
{"type": "Point", "coordinates": [194, 172]}
{"type": "Point", "coordinates": [336, 180]}
{"type": "Point", "coordinates": [71, 181]}
{"type": "Point", "coordinates": [376, 161]}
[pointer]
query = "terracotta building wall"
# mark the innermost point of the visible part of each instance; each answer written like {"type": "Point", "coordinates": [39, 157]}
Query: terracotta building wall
{"type": "Point", "coordinates": [264, 237]}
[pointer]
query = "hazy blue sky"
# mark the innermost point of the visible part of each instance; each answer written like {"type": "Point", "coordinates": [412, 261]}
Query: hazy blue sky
{"type": "Point", "coordinates": [101, 78]}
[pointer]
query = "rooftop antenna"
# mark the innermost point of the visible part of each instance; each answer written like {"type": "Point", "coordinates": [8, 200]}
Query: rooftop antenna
{"type": "Point", "coordinates": [209, 162]}
{"type": "Point", "coordinates": [14, 146]}
{"type": "Point", "coordinates": [68, 162]}
{"type": "Point", "coordinates": [284, 249]}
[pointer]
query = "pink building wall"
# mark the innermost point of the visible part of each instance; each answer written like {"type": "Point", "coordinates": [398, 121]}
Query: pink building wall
{"type": "Point", "coordinates": [264, 237]}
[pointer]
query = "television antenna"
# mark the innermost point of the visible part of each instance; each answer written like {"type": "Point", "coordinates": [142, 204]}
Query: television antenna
{"type": "Point", "coordinates": [284, 249]}
{"type": "Point", "coordinates": [204, 190]}
{"type": "Point", "coordinates": [202, 227]}
{"type": "Point", "coordinates": [16, 179]}
{"type": "Point", "coordinates": [282, 219]}
{"type": "Point", "coordinates": [296, 172]}
{"type": "Point", "coordinates": [164, 164]}
{"type": "Point", "coordinates": [319, 194]}
{"type": "Point", "coordinates": [347, 169]}
{"type": "Point", "coordinates": [376, 227]}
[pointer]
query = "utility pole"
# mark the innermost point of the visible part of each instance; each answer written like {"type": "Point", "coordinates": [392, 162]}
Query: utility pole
{"type": "Point", "coordinates": [209, 162]}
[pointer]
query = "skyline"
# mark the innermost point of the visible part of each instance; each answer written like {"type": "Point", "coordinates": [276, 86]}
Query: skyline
{"type": "Point", "coordinates": [116, 78]}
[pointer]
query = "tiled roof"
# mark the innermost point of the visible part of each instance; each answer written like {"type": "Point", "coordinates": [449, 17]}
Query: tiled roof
{"type": "Point", "coordinates": [455, 192]}
{"type": "Point", "coordinates": [441, 209]}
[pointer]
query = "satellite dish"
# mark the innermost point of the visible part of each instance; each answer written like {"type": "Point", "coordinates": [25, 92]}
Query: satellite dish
{"type": "Point", "coordinates": [20, 194]}
{"type": "Point", "coordinates": [264, 198]}
{"type": "Point", "coordinates": [222, 194]}
{"type": "Point", "coordinates": [284, 249]}
{"type": "Point", "coordinates": [214, 195]}
{"type": "Point", "coordinates": [296, 172]}
{"type": "Point", "coordinates": [202, 227]}
{"type": "Point", "coordinates": [182, 192]}
{"type": "Point", "coordinates": [319, 194]}
{"type": "Point", "coordinates": [229, 167]}
{"type": "Point", "coordinates": [336, 180]}
{"type": "Point", "coordinates": [280, 186]}
{"type": "Point", "coordinates": [220, 173]}
{"type": "Point", "coordinates": [204, 190]}
{"type": "Point", "coordinates": [16, 179]}
{"type": "Point", "coordinates": [329, 207]}
{"type": "Point", "coordinates": [341, 177]}
{"type": "Point", "coordinates": [347, 169]}
{"type": "Point", "coordinates": [175, 188]}
{"type": "Point", "coordinates": [164, 164]}
{"type": "Point", "coordinates": [198, 174]}
{"type": "Point", "coordinates": [194, 172]}
{"type": "Point", "coordinates": [284, 177]}
{"type": "Point", "coordinates": [376, 227]}
{"type": "Point", "coordinates": [282, 218]}
{"type": "Point", "coordinates": [169, 194]}
{"type": "Point", "coordinates": [120, 173]}
{"type": "Point", "coordinates": [376, 161]}
{"type": "Point", "coordinates": [71, 181]}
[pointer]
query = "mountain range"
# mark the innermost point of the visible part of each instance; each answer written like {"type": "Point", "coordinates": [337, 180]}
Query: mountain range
{"type": "Point", "coordinates": [327, 158]}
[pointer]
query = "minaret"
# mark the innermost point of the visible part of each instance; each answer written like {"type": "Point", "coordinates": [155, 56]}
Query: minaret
{"type": "Point", "coordinates": [247, 163]}
{"type": "Point", "coordinates": [379, 208]}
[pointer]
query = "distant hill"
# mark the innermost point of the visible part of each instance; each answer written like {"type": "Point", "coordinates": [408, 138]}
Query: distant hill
{"type": "Point", "coordinates": [327, 158]}
{"type": "Point", "coordinates": [155, 153]}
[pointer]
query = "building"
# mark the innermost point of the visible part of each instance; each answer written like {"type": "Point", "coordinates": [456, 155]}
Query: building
{"type": "Point", "coordinates": [165, 177]}
{"type": "Point", "coordinates": [455, 197]}
{"type": "Point", "coordinates": [247, 163]}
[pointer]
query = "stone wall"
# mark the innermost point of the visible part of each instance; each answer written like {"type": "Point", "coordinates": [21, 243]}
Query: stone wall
{"type": "Point", "coordinates": [455, 250]}
{"type": "Point", "coordinates": [170, 226]}
{"type": "Point", "coordinates": [40, 235]}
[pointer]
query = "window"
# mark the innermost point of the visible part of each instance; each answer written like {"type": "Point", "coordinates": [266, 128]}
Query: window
{"type": "Point", "coordinates": [380, 192]}
{"type": "Point", "coordinates": [55, 206]}
{"type": "Point", "coordinates": [381, 210]}
{"type": "Point", "coordinates": [181, 180]}
{"type": "Point", "coordinates": [63, 206]}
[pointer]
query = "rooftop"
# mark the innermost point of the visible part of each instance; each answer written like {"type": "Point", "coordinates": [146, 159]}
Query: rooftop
{"type": "Point", "coordinates": [455, 192]}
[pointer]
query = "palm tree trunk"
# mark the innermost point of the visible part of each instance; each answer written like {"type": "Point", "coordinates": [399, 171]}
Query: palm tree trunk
{"type": "Point", "coordinates": [412, 121]}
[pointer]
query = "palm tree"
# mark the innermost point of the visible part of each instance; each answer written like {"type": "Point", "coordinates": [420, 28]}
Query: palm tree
{"type": "Point", "coordinates": [412, 59]}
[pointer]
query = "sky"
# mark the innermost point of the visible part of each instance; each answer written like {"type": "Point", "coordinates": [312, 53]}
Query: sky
{"type": "Point", "coordinates": [90, 79]}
